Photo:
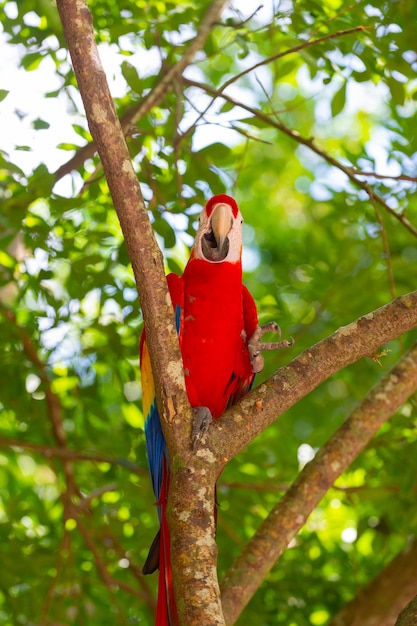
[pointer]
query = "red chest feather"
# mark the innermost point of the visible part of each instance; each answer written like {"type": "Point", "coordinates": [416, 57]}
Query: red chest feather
{"type": "Point", "coordinates": [213, 338]}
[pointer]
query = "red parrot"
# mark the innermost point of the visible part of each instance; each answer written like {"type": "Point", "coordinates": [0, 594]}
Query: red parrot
{"type": "Point", "coordinates": [219, 339]}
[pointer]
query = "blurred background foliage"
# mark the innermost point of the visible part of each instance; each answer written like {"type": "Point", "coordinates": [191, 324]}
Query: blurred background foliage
{"type": "Point", "coordinates": [76, 507]}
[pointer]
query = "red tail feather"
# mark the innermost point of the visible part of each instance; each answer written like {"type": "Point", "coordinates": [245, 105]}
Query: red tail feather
{"type": "Point", "coordinates": [166, 608]}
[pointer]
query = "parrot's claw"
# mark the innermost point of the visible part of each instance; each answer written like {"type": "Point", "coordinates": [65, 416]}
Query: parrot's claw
{"type": "Point", "coordinates": [203, 419]}
{"type": "Point", "coordinates": [256, 345]}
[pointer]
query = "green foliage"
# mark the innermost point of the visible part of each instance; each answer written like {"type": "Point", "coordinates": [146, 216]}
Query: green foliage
{"type": "Point", "coordinates": [75, 526]}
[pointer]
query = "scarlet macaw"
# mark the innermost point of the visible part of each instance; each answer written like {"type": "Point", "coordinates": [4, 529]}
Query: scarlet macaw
{"type": "Point", "coordinates": [216, 318]}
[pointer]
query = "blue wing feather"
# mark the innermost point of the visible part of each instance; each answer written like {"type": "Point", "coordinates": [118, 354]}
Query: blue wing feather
{"type": "Point", "coordinates": [156, 449]}
{"type": "Point", "coordinates": [155, 442]}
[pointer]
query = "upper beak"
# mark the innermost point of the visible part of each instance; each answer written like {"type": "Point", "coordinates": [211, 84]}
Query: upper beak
{"type": "Point", "coordinates": [221, 223]}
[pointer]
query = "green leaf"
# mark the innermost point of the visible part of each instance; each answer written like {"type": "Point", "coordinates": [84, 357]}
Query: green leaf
{"type": "Point", "coordinates": [131, 76]}
{"type": "Point", "coordinates": [83, 132]}
{"type": "Point", "coordinates": [67, 146]}
{"type": "Point", "coordinates": [166, 231]}
{"type": "Point", "coordinates": [132, 415]}
{"type": "Point", "coordinates": [6, 260]}
{"type": "Point", "coordinates": [255, 121]}
{"type": "Point", "coordinates": [3, 94]}
{"type": "Point", "coordinates": [32, 61]}
{"type": "Point", "coordinates": [339, 100]}
{"type": "Point", "coordinates": [215, 151]}
{"type": "Point", "coordinates": [397, 91]}
{"type": "Point", "coordinates": [227, 106]}
{"type": "Point", "coordinates": [39, 124]}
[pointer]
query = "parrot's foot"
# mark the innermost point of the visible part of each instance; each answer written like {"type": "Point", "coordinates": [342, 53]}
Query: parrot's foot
{"type": "Point", "coordinates": [256, 345]}
{"type": "Point", "coordinates": [203, 419]}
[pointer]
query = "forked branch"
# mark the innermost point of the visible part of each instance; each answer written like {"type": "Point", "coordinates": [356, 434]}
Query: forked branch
{"type": "Point", "coordinates": [290, 514]}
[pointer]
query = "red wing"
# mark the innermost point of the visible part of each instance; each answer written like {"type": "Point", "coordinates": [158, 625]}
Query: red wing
{"type": "Point", "coordinates": [241, 384]}
{"type": "Point", "coordinates": [250, 315]}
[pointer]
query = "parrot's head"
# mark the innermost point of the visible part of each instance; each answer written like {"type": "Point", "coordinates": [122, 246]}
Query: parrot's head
{"type": "Point", "coordinates": [219, 234]}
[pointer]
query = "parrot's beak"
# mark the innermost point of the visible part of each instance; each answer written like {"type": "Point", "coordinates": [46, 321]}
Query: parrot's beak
{"type": "Point", "coordinates": [215, 241]}
{"type": "Point", "coordinates": [221, 223]}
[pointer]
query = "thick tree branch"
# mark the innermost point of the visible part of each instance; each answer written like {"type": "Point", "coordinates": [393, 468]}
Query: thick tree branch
{"type": "Point", "coordinates": [168, 79]}
{"type": "Point", "coordinates": [362, 338]}
{"type": "Point", "coordinates": [408, 616]}
{"type": "Point", "coordinates": [285, 520]}
{"type": "Point", "coordinates": [124, 187]}
{"type": "Point", "coordinates": [192, 477]}
{"type": "Point", "coordinates": [380, 602]}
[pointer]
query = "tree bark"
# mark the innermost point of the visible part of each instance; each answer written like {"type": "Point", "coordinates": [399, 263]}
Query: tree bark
{"type": "Point", "coordinates": [191, 497]}
{"type": "Point", "coordinates": [174, 73]}
{"type": "Point", "coordinates": [379, 603]}
{"type": "Point", "coordinates": [286, 519]}
{"type": "Point", "coordinates": [144, 253]}
{"type": "Point", "coordinates": [408, 616]}
{"type": "Point", "coordinates": [257, 410]}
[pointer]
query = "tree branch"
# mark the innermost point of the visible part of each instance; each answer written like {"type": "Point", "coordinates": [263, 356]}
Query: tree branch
{"type": "Point", "coordinates": [70, 455]}
{"type": "Point", "coordinates": [111, 584]}
{"type": "Point", "coordinates": [301, 46]}
{"type": "Point", "coordinates": [305, 44]}
{"type": "Point", "coordinates": [401, 177]}
{"type": "Point", "coordinates": [285, 520]}
{"type": "Point", "coordinates": [408, 616]}
{"type": "Point", "coordinates": [169, 77]}
{"type": "Point", "coordinates": [309, 143]}
{"type": "Point", "coordinates": [191, 497]}
{"type": "Point", "coordinates": [145, 256]}
{"type": "Point", "coordinates": [384, 597]}
{"type": "Point", "coordinates": [262, 406]}
{"type": "Point", "coordinates": [62, 555]}
{"type": "Point", "coordinates": [54, 410]}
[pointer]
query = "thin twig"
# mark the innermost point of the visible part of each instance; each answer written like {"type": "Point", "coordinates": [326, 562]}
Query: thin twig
{"type": "Point", "coordinates": [62, 552]}
{"type": "Point", "coordinates": [385, 244]}
{"type": "Point", "coordinates": [356, 172]}
{"type": "Point", "coordinates": [96, 493]}
{"type": "Point", "coordinates": [237, 25]}
{"type": "Point", "coordinates": [107, 579]}
{"type": "Point", "coordinates": [70, 455]}
{"type": "Point", "coordinates": [146, 593]}
{"type": "Point", "coordinates": [54, 408]}
{"type": "Point", "coordinates": [301, 46]}
{"type": "Point", "coordinates": [311, 144]}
